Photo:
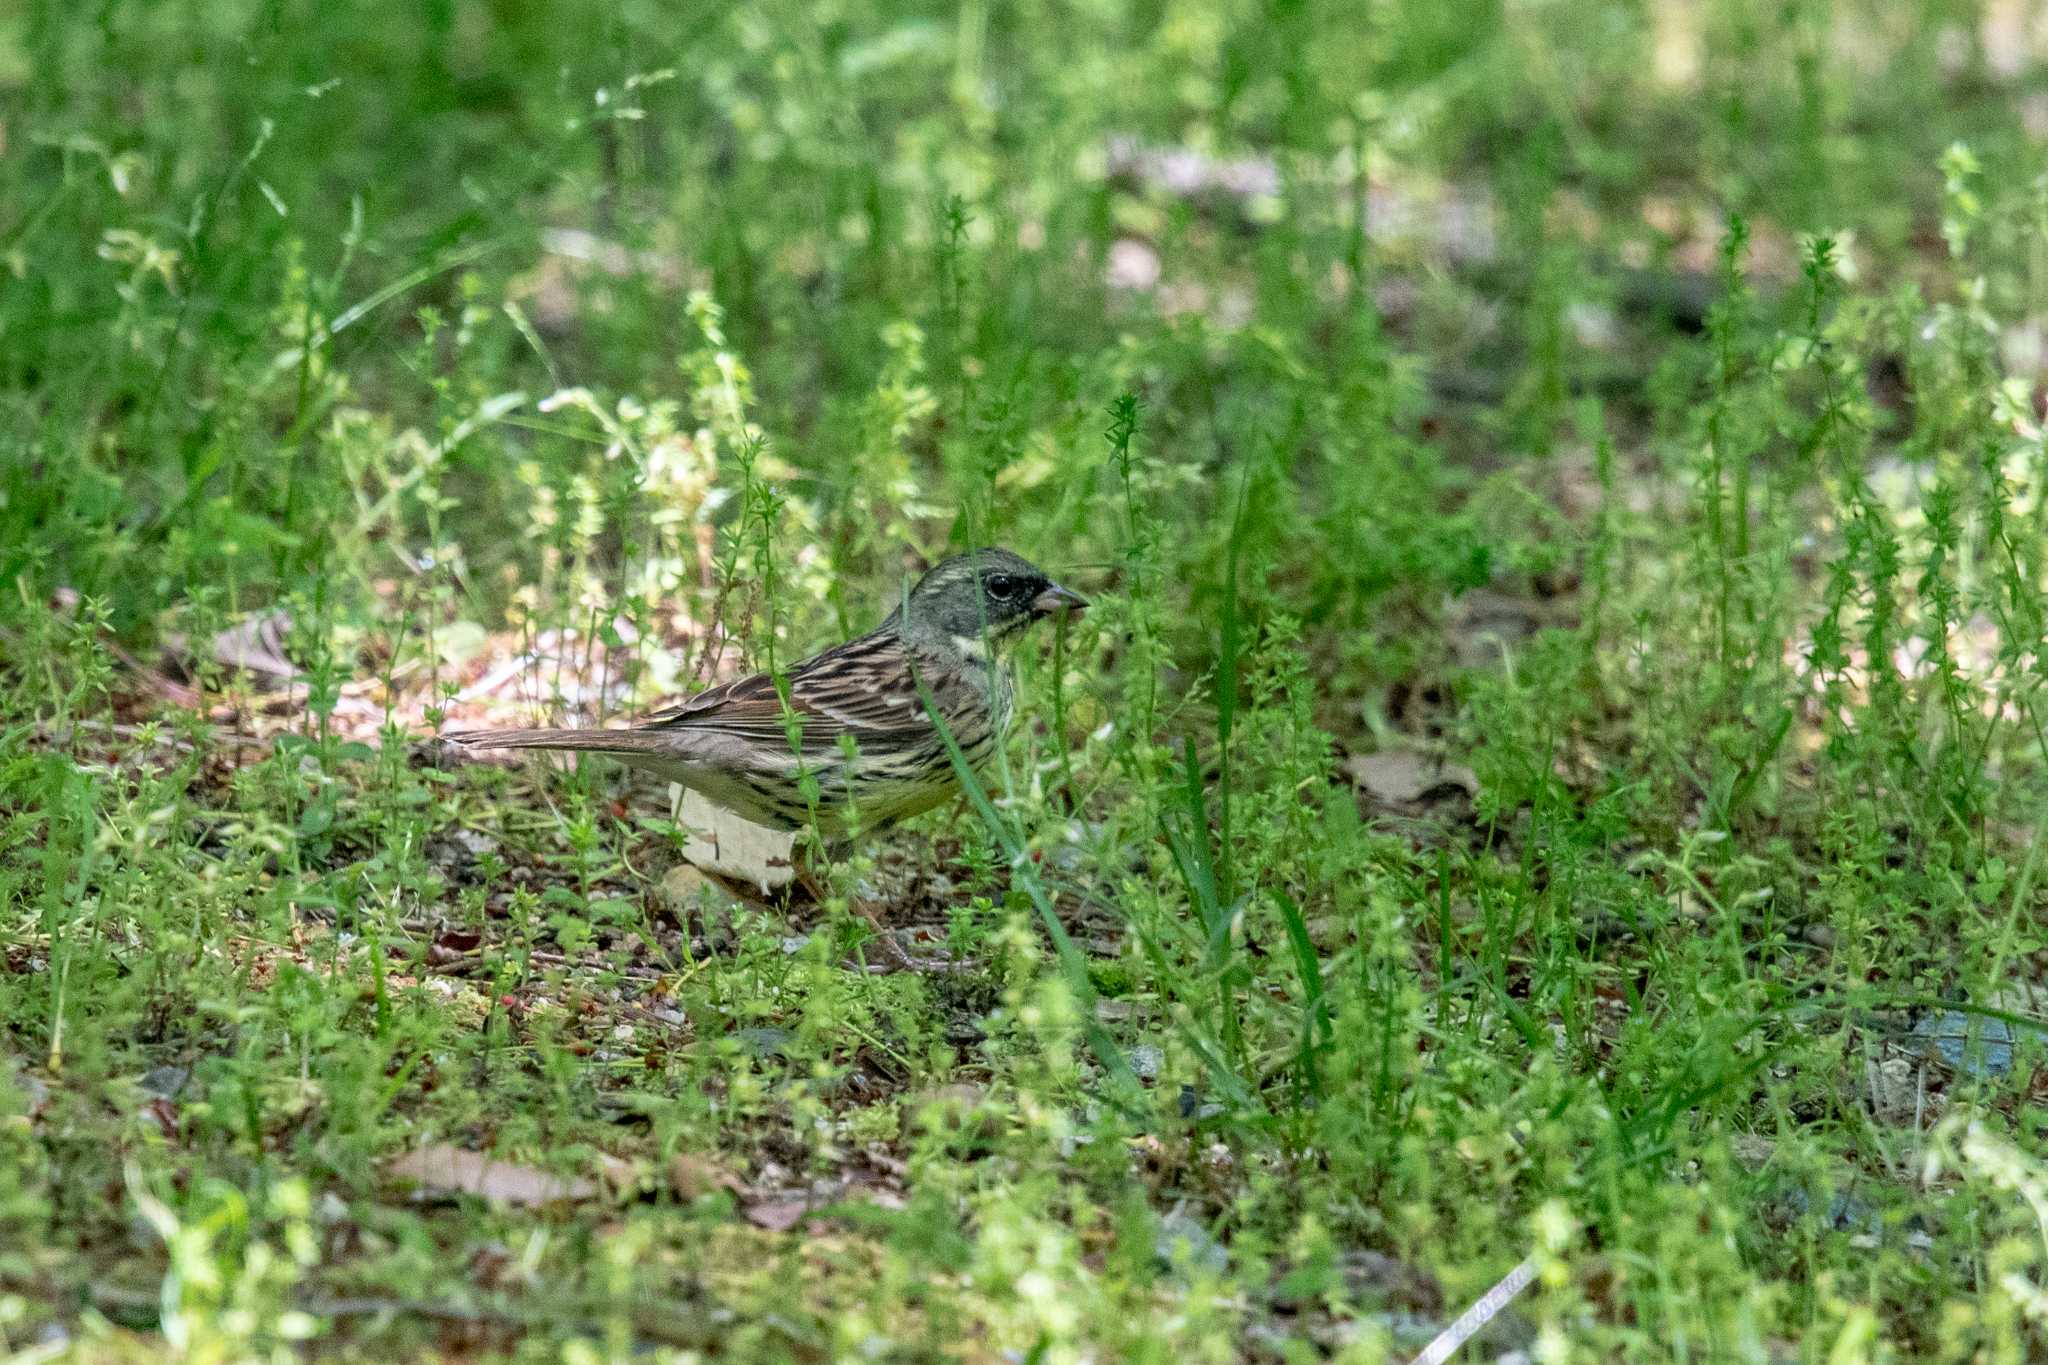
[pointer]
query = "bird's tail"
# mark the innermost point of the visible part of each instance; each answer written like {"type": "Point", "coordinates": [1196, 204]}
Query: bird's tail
{"type": "Point", "coordinates": [597, 741]}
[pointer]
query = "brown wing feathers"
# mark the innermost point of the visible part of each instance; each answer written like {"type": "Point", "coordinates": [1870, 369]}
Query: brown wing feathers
{"type": "Point", "coordinates": [862, 687]}
{"type": "Point", "coordinates": [833, 694]}
{"type": "Point", "coordinates": [599, 741]}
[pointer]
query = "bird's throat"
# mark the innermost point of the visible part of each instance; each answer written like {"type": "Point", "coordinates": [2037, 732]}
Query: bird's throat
{"type": "Point", "coordinates": [973, 647]}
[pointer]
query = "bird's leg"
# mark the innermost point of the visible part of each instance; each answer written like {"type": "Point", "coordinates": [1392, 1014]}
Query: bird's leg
{"type": "Point", "coordinates": [891, 954]}
{"type": "Point", "coordinates": [896, 958]}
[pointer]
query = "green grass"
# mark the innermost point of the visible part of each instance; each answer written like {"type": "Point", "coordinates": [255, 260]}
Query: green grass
{"type": "Point", "coordinates": [1634, 408]}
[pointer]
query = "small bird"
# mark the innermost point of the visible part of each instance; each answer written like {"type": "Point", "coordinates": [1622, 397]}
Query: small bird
{"type": "Point", "coordinates": [731, 743]}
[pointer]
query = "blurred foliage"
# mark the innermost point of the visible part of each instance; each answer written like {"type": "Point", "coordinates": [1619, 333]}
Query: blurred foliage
{"type": "Point", "coordinates": [1634, 408]}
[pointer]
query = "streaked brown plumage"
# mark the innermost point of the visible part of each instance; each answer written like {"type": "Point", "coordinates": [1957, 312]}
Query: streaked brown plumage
{"type": "Point", "coordinates": [731, 743]}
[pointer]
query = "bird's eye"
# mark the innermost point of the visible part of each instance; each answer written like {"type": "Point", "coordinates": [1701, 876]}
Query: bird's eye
{"type": "Point", "coordinates": [1001, 585]}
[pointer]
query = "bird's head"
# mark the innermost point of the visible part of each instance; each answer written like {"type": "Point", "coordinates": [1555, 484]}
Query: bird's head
{"type": "Point", "coordinates": [985, 597]}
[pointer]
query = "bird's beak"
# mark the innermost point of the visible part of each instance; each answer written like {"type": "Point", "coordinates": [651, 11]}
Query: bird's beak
{"type": "Point", "coordinates": [1056, 598]}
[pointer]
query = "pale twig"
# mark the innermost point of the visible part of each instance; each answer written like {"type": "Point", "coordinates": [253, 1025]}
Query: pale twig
{"type": "Point", "coordinates": [1475, 1318]}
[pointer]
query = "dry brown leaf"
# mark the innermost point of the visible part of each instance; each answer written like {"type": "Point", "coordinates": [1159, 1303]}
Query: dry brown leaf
{"type": "Point", "coordinates": [778, 1215]}
{"type": "Point", "coordinates": [1402, 777]}
{"type": "Point", "coordinates": [693, 1176]}
{"type": "Point", "coordinates": [1484, 627]}
{"type": "Point", "coordinates": [256, 645]}
{"type": "Point", "coordinates": [623, 1176]}
{"type": "Point", "coordinates": [442, 1170]}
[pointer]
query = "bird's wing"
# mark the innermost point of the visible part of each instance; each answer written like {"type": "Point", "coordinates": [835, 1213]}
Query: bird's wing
{"type": "Point", "coordinates": [864, 688]}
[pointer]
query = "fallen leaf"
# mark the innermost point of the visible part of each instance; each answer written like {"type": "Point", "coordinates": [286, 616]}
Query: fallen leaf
{"type": "Point", "coordinates": [625, 1177]}
{"type": "Point", "coordinates": [1183, 1242]}
{"type": "Point", "coordinates": [1484, 627]}
{"type": "Point", "coordinates": [35, 1094]}
{"type": "Point", "coordinates": [459, 940]}
{"type": "Point", "coordinates": [778, 1215]}
{"type": "Point", "coordinates": [440, 1170]}
{"type": "Point", "coordinates": [681, 885]}
{"type": "Point", "coordinates": [723, 843]}
{"type": "Point", "coordinates": [489, 1264]}
{"type": "Point", "coordinates": [1402, 777]}
{"type": "Point", "coordinates": [163, 1116]}
{"type": "Point", "coordinates": [881, 1196]}
{"type": "Point", "coordinates": [693, 1176]}
{"type": "Point", "coordinates": [165, 1082]}
{"type": "Point", "coordinates": [1186, 172]}
{"type": "Point", "coordinates": [1896, 1088]}
{"type": "Point", "coordinates": [256, 645]}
